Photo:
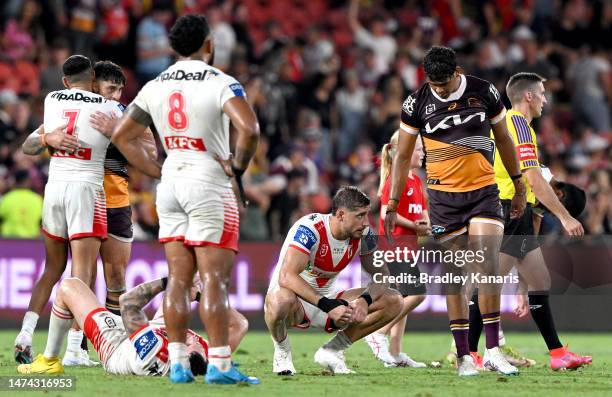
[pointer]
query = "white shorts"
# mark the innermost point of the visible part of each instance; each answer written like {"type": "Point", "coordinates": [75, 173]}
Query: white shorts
{"type": "Point", "coordinates": [74, 210]}
{"type": "Point", "coordinates": [197, 213]}
{"type": "Point", "coordinates": [315, 317]}
{"type": "Point", "coordinates": [106, 332]}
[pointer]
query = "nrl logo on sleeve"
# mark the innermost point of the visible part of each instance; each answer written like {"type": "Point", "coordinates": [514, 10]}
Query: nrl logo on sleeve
{"type": "Point", "coordinates": [429, 109]}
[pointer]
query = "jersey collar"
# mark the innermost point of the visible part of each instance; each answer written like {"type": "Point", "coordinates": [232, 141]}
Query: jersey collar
{"type": "Point", "coordinates": [455, 95]}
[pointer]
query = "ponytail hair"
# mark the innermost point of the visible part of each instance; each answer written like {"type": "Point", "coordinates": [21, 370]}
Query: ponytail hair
{"type": "Point", "coordinates": [386, 160]}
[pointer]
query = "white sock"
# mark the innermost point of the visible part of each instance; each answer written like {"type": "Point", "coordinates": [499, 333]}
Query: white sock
{"type": "Point", "coordinates": [220, 357]}
{"type": "Point", "coordinates": [75, 336]}
{"type": "Point", "coordinates": [178, 354]}
{"type": "Point", "coordinates": [59, 324]}
{"type": "Point", "coordinates": [283, 345]}
{"type": "Point", "coordinates": [29, 322]}
{"type": "Point", "coordinates": [338, 343]}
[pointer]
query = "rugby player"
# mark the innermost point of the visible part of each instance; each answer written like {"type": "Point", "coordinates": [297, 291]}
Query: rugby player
{"type": "Point", "coordinates": [520, 247]}
{"type": "Point", "coordinates": [115, 251]}
{"type": "Point", "coordinates": [192, 105]}
{"type": "Point", "coordinates": [129, 344]}
{"type": "Point", "coordinates": [303, 292]}
{"type": "Point", "coordinates": [74, 211]}
{"type": "Point", "coordinates": [454, 114]}
{"type": "Point", "coordinates": [412, 221]}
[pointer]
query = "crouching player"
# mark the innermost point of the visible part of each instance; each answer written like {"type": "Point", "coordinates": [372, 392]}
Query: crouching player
{"type": "Point", "coordinates": [126, 345]}
{"type": "Point", "coordinates": [302, 291]}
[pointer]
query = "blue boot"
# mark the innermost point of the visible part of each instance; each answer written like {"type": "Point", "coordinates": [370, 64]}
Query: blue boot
{"type": "Point", "coordinates": [231, 377]}
{"type": "Point", "coordinates": [178, 374]}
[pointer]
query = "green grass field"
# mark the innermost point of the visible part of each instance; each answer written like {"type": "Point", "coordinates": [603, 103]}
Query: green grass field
{"type": "Point", "coordinates": [372, 379]}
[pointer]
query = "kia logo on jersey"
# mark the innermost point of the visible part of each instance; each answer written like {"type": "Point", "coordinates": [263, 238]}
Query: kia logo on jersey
{"type": "Point", "coordinates": [184, 143]}
{"type": "Point", "coordinates": [454, 120]}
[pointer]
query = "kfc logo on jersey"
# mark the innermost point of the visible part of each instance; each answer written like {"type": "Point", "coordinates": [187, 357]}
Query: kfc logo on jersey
{"type": "Point", "coordinates": [454, 120]}
{"type": "Point", "coordinates": [79, 154]}
{"type": "Point", "coordinates": [185, 143]}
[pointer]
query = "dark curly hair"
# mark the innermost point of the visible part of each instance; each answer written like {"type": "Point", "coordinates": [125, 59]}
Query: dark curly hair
{"type": "Point", "coordinates": [349, 197]}
{"type": "Point", "coordinates": [188, 34]}
{"type": "Point", "coordinates": [109, 71]}
{"type": "Point", "coordinates": [440, 63]}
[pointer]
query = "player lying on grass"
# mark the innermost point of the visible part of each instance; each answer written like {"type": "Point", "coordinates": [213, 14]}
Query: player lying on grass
{"type": "Point", "coordinates": [302, 291]}
{"type": "Point", "coordinates": [126, 345]}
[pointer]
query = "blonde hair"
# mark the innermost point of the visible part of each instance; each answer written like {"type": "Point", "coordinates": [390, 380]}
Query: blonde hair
{"type": "Point", "coordinates": [386, 160]}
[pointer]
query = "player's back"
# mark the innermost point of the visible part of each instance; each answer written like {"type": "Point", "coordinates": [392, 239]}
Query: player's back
{"type": "Point", "coordinates": [73, 108]}
{"type": "Point", "coordinates": [185, 103]}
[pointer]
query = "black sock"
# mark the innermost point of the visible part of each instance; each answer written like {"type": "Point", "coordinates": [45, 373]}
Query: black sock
{"type": "Point", "coordinates": [540, 312]}
{"type": "Point", "coordinates": [112, 305]}
{"type": "Point", "coordinates": [84, 343]}
{"type": "Point", "coordinates": [475, 324]}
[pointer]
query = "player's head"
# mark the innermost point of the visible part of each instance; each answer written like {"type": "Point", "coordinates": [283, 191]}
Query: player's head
{"type": "Point", "coordinates": [78, 71]}
{"type": "Point", "coordinates": [571, 196]}
{"type": "Point", "coordinates": [110, 80]}
{"type": "Point", "coordinates": [440, 66]}
{"type": "Point", "coordinates": [198, 364]}
{"type": "Point", "coordinates": [190, 35]}
{"type": "Point", "coordinates": [527, 88]}
{"type": "Point", "coordinates": [350, 207]}
{"type": "Point", "coordinates": [197, 353]}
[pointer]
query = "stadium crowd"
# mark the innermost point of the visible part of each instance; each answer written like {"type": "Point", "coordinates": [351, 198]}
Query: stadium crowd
{"type": "Point", "coordinates": [327, 80]}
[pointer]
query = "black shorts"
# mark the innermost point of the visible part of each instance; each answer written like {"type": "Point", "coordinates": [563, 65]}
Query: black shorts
{"type": "Point", "coordinates": [519, 236]}
{"type": "Point", "coordinates": [451, 212]}
{"type": "Point", "coordinates": [407, 288]}
{"type": "Point", "coordinates": [119, 221]}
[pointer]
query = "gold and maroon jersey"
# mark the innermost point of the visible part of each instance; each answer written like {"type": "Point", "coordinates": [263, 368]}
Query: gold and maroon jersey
{"type": "Point", "coordinates": [116, 177]}
{"type": "Point", "coordinates": [456, 133]}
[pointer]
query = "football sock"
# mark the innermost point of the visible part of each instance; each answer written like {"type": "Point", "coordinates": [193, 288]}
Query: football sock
{"type": "Point", "coordinates": [220, 357]}
{"type": "Point", "coordinates": [490, 322]}
{"type": "Point", "coordinates": [178, 354]}
{"type": "Point", "coordinates": [459, 329]}
{"type": "Point", "coordinates": [539, 307]}
{"type": "Point", "coordinates": [75, 336]}
{"type": "Point", "coordinates": [475, 324]}
{"type": "Point", "coordinates": [283, 345]}
{"type": "Point", "coordinates": [339, 342]}
{"type": "Point", "coordinates": [112, 305]}
{"type": "Point", "coordinates": [59, 324]}
{"type": "Point", "coordinates": [29, 322]}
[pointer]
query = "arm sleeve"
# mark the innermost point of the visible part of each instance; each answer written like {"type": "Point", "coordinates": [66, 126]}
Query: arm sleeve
{"type": "Point", "coordinates": [368, 243]}
{"type": "Point", "coordinates": [524, 142]}
{"type": "Point", "coordinates": [365, 38]}
{"type": "Point", "coordinates": [495, 107]}
{"type": "Point", "coordinates": [411, 123]}
{"type": "Point", "coordinates": [304, 239]}
{"type": "Point", "coordinates": [231, 88]}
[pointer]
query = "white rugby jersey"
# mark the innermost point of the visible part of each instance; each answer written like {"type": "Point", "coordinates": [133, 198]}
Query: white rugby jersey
{"type": "Point", "coordinates": [73, 107]}
{"type": "Point", "coordinates": [185, 103]}
{"type": "Point", "coordinates": [312, 235]}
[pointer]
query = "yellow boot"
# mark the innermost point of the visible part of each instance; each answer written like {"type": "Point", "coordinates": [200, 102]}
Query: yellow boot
{"type": "Point", "coordinates": [42, 365]}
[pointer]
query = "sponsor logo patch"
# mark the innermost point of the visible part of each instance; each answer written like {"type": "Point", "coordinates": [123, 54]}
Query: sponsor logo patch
{"type": "Point", "coordinates": [145, 343]}
{"type": "Point", "coordinates": [185, 143]}
{"type": "Point", "coordinates": [237, 90]}
{"type": "Point", "coordinates": [305, 237]}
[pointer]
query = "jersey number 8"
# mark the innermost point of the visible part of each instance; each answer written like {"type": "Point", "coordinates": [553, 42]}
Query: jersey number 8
{"type": "Point", "coordinates": [177, 119]}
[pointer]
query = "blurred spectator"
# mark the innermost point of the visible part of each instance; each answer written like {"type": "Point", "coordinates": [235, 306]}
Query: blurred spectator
{"type": "Point", "coordinates": [376, 38]}
{"type": "Point", "coordinates": [113, 31]}
{"type": "Point", "coordinates": [592, 89]}
{"type": "Point", "coordinates": [22, 34]}
{"type": "Point", "coordinates": [83, 27]}
{"type": "Point", "coordinates": [352, 103]}
{"type": "Point", "coordinates": [154, 52]}
{"type": "Point", "coordinates": [21, 210]}
{"type": "Point", "coordinates": [383, 115]}
{"type": "Point", "coordinates": [51, 75]}
{"type": "Point", "coordinates": [224, 36]}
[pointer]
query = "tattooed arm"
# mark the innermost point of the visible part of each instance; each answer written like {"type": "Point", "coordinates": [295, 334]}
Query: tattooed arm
{"type": "Point", "coordinates": [57, 139]}
{"type": "Point", "coordinates": [132, 303]}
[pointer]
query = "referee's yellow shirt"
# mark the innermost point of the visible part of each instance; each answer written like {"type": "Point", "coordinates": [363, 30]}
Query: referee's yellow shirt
{"type": "Point", "coordinates": [526, 145]}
